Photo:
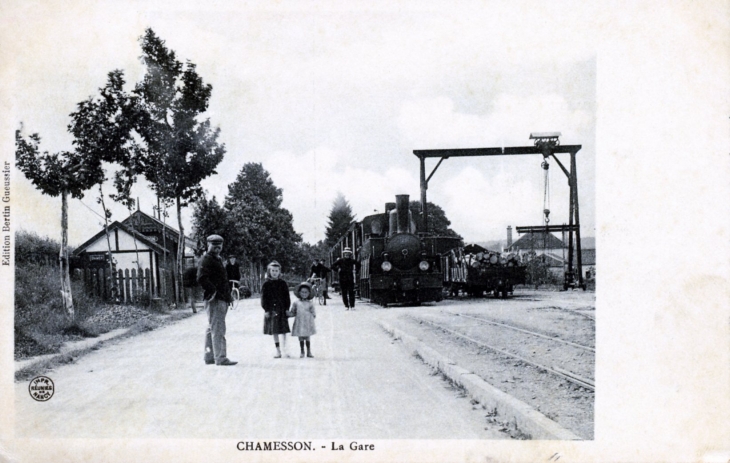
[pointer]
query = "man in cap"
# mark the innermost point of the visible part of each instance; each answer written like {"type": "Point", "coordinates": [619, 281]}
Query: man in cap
{"type": "Point", "coordinates": [217, 294]}
{"type": "Point", "coordinates": [347, 266]}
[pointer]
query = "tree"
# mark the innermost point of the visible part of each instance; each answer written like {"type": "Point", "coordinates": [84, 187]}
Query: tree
{"type": "Point", "coordinates": [59, 174]}
{"type": "Point", "coordinates": [102, 130]}
{"type": "Point", "coordinates": [438, 222]}
{"type": "Point", "coordinates": [339, 220]}
{"type": "Point", "coordinates": [176, 150]}
{"type": "Point", "coordinates": [307, 254]}
{"type": "Point", "coordinates": [260, 228]}
{"type": "Point", "coordinates": [181, 150]}
{"type": "Point", "coordinates": [210, 218]}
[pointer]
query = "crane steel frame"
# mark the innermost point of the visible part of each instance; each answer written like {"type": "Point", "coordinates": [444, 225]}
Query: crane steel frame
{"type": "Point", "coordinates": [546, 145]}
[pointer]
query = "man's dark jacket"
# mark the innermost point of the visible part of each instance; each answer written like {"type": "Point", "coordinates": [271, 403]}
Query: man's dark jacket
{"type": "Point", "coordinates": [320, 270]}
{"type": "Point", "coordinates": [345, 267]}
{"type": "Point", "coordinates": [233, 271]}
{"type": "Point", "coordinates": [213, 278]}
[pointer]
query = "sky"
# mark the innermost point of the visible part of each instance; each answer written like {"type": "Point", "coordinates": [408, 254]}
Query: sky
{"type": "Point", "coordinates": [335, 99]}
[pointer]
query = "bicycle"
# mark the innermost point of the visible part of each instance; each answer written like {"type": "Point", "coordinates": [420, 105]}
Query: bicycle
{"type": "Point", "coordinates": [235, 293]}
{"type": "Point", "coordinates": [317, 290]}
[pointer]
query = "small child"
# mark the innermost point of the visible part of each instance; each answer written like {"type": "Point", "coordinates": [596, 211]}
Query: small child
{"type": "Point", "coordinates": [303, 311]}
{"type": "Point", "coordinates": [275, 300]}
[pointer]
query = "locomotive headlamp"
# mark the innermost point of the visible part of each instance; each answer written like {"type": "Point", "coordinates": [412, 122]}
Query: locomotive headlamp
{"type": "Point", "coordinates": [386, 266]}
{"type": "Point", "coordinates": [423, 265]}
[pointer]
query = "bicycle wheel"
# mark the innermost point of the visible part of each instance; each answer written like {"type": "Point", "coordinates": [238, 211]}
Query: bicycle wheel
{"type": "Point", "coordinates": [236, 297]}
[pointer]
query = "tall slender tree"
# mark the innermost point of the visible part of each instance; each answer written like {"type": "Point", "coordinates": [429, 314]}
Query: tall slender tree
{"type": "Point", "coordinates": [340, 218]}
{"type": "Point", "coordinates": [102, 130]}
{"type": "Point", "coordinates": [155, 131]}
{"type": "Point", "coordinates": [181, 150]}
{"type": "Point", "coordinates": [59, 174]}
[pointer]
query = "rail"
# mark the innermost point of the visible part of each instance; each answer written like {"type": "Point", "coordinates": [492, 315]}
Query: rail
{"type": "Point", "coordinates": [522, 330]}
{"type": "Point", "coordinates": [572, 377]}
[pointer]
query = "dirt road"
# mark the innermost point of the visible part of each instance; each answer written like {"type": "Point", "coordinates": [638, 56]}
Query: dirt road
{"type": "Point", "coordinates": [359, 385]}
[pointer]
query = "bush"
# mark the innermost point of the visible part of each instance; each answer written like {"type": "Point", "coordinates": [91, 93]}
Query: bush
{"type": "Point", "coordinates": [38, 299]}
{"type": "Point", "coordinates": [31, 248]}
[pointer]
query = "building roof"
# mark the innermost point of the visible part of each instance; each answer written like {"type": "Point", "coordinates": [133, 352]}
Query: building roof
{"type": "Point", "coordinates": [537, 240]}
{"type": "Point", "coordinates": [113, 226]}
{"type": "Point", "coordinates": [137, 215]}
{"type": "Point", "coordinates": [175, 234]}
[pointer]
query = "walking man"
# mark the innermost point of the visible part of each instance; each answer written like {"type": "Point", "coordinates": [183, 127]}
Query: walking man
{"type": "Point", "coordinates": [217, 294]}
{"type": "Point", "coordinates": [347, 266]}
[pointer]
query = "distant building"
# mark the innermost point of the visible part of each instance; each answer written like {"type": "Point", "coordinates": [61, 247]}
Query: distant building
{"type": "Point", "coordinates": [531, 245]}
{"type": "Point", "coordinates": [555, 252]}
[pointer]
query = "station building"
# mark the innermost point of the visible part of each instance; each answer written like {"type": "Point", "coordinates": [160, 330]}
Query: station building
{"type": "Point", "coordinates": [141, 245]}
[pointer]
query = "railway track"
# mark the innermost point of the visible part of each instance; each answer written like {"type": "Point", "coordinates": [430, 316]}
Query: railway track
{"type": "Point", "coordinates": [555, 370]}
{"type": "Point", "coordinates": [577, 312]}
{"type": "Point", "coordinates": [522, 330]}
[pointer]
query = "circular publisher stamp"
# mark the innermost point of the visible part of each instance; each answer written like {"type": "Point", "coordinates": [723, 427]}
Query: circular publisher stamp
{"type": "Point", "coordinates": [41, 388]}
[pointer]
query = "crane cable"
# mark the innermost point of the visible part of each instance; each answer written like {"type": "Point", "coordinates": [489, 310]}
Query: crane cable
{"type": "Point", "coordinates": [546, 203]}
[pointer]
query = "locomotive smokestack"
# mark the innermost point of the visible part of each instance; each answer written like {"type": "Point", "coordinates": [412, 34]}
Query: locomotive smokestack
{"type": "Point", "coordinates": [509, 236]}
{"type": "Point", "coordinates": [401, 205]}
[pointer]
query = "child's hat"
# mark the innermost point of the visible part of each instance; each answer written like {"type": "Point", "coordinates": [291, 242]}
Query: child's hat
{"type": "Point", "coordinates": [301, 285]}
{"type": "Point", "coordinates": [347, 250]}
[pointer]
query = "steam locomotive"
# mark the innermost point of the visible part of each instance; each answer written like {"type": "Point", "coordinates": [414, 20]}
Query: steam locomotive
{"type": "Point", "coordinates": [397, 263]}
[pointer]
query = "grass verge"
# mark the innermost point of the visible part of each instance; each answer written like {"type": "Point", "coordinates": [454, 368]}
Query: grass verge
{"type": "Point", "coordinates": [141, 326]}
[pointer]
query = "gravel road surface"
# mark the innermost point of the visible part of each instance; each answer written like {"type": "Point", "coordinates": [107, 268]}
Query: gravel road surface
{"type": "Point", "coordinates": [359, 385]}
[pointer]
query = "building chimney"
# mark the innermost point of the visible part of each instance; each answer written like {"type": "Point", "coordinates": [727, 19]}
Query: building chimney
{"type": "Point", "coordinates": [509, 236]}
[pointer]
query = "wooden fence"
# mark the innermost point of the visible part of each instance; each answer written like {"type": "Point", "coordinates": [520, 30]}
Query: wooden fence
{"type": "Point", "coordinates": [133, 286]}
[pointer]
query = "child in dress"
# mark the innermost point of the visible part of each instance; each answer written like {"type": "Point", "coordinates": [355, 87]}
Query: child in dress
{"type": "Point", "coordinates": [275, 300]}
{"type": "Point", "coordinates": [304, 313]}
